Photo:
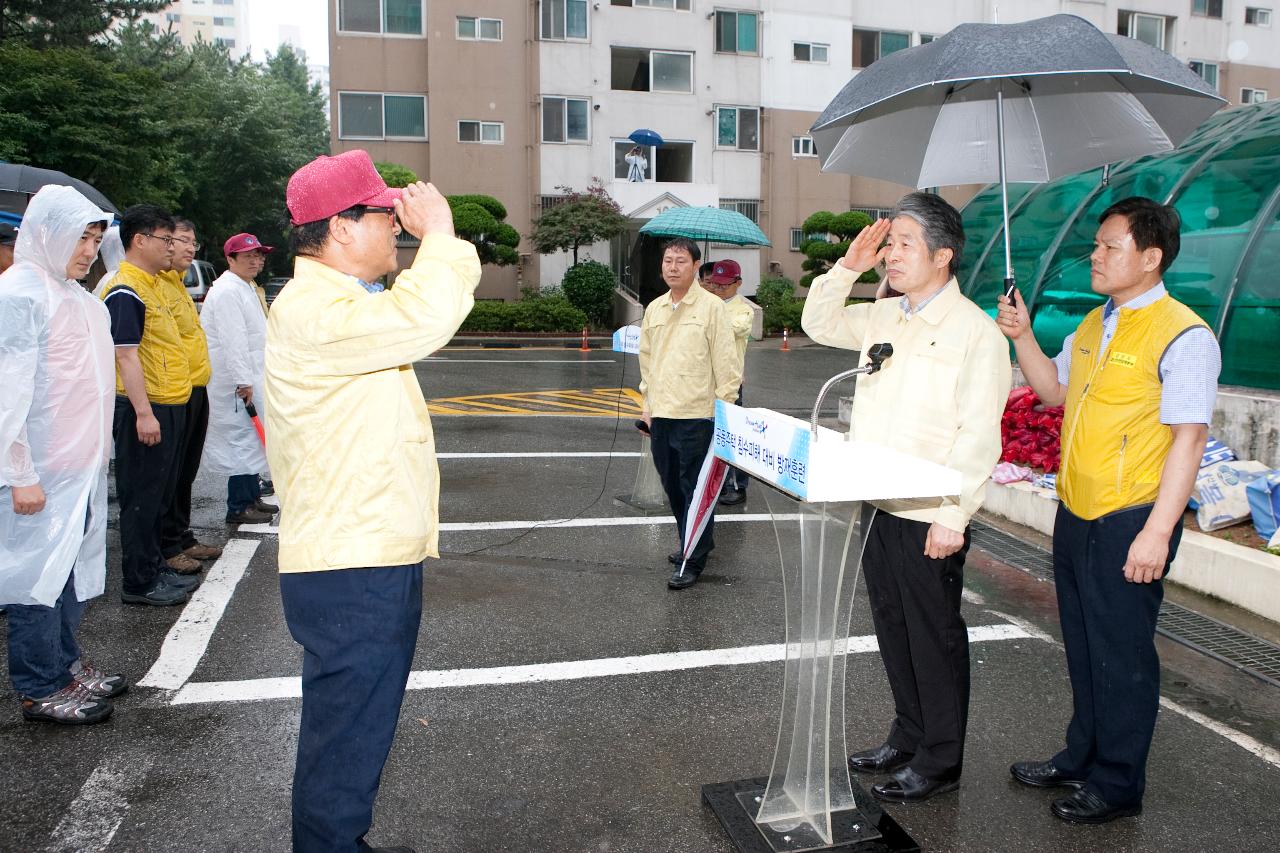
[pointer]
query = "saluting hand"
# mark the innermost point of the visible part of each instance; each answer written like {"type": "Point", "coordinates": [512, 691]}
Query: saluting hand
{"type": "Point", "coordinates": [422, 210]}
{"type": "Point", "coordinates": [865, 251]}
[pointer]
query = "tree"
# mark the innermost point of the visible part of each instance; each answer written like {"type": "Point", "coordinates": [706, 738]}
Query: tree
{"type": "Point", "coordinates": [590, 286]}
{"type": "Point", "coordinates": [395, 175]}
{"type": "Point", "coordinates": [821, 253]}
{"type": "Point", "coordinates": [479, 219]}
{"type": "Point", "coordinates": [67, 23]}
{"type": "Point", "coordinates": [581, 219]}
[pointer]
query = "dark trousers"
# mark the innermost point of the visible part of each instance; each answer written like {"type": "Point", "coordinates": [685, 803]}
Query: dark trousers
{"type": "Point", "coordinates": [358, 629]}
{"type": "Point", "coordinates": [1108, 628]}
{"type": "Point", "coordinates": [146, 478]}
{"type": "Point", "coordinates": [915, 606]}
{"type": "Point", "coordinates": [243, 491]}
{"type": "Point", "coordinates": [42, 643]}
{"type": "Point", "coordinates": [737, 479]}
{"type": "Point", "coordinates": [175, 532]}
{"type": "Point", "coordinates": [679, 448]}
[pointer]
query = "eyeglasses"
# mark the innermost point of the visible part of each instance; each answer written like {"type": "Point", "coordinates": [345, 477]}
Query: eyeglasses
{"type": "Point", "coordinates": [188, 242]}
{"type": "Point", "coordinates": [168, 241]}
{"type": "Point", "coordinates": [390, 211]}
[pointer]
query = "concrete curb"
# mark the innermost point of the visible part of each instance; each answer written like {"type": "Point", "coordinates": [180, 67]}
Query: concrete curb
{"type": "Point", "coordinates": [1246, 577]}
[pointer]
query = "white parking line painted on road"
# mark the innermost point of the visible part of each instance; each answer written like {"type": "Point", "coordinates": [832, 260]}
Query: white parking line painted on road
{"type": "Point", "coordinates": [98, 810]}
{"type": "Point", "coordinates": [1240, 739]}
{"type": "Point", "coordinates": [291, 688]}
{"type": "Point", "coordinates": [562, 523]}
{"type": "Point", "coordinates": [189, 636]}
{"type": "Point", "coordinates": [586, 454]}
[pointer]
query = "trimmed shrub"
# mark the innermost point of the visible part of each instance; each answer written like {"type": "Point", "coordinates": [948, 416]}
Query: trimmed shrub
{"type": "Point", "coordinates": [589, 286]}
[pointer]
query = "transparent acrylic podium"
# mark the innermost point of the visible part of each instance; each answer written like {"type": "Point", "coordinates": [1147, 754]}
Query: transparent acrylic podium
{"type": "Point", "coordinates": [822, 484]}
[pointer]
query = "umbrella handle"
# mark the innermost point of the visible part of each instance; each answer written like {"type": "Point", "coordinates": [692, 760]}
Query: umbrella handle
{"type": "Point", "coordinates": [1009, 287]}
{"type": "Point", "coordinates": [251, 410]}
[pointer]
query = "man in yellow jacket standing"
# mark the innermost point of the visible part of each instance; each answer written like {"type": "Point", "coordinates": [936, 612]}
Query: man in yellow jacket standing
{"type": "Point", "coordinates": [352, 456]}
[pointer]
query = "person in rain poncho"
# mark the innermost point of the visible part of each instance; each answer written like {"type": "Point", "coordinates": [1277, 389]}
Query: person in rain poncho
{"type": "Point", "coordinates": [637, 165]}
{"type": "Point", "coordinates": [236, 328]}
{"type": "Point", "coordinates": [112, 253]}
{"type": "Point", "coordinates": [55, 426]}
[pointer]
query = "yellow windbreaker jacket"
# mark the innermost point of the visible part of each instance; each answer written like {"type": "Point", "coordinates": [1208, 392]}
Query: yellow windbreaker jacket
{"type": "Point", "coordinates": [348, 436]}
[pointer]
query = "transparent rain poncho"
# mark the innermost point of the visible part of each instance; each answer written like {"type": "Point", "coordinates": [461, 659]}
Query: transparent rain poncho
{"type": "Point", "coordinates": [57, 373]}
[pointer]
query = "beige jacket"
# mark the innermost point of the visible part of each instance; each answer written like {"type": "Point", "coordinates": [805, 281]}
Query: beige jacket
{"type": "Point", "coordinates": [940, 395]}
{"type": "Point", "coordinates": [687, 356]}
{"type": "Point", "coordinates": [349, 439]}
{"type": "Point", "coordinates": [740, 318]}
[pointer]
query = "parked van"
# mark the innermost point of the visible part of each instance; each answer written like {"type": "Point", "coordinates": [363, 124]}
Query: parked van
{"type": "Point", "coordinates": [199, 277]}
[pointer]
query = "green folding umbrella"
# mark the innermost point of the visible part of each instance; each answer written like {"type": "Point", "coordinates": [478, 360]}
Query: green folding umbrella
{"type": "Point", "coordinates": [709, 224]}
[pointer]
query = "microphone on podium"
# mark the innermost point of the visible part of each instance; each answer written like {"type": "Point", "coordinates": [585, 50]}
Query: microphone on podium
{"type": "Point", "coordinates": [877, 355]}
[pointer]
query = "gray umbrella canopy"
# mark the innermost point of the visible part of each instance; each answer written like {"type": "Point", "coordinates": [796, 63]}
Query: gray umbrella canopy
{"type": "Point", "coordinates": [1073, 98]}
{"type": "Point", "coordinates": [21, 182]}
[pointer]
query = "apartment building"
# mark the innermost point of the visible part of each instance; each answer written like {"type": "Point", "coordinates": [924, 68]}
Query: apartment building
{"type": "Point", "coordinates": [222, 22]}
{"type": "Point", "coordinates": [520, 98]}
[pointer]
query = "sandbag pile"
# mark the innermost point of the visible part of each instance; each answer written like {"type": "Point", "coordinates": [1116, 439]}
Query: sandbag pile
{"type": "Point", "coordinates": [1030, 431]}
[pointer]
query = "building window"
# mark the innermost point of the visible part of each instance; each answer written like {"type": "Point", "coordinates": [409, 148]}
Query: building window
{"type": "Point", "coordinates": [736, 32]}
{"type": "Point", "coordinates": [223, 42]}
{"type": "Point", "coordinates": [638, 70]}
{"type": "Point", "coordinates": [224, 22]}
{"type": "Point", "coordinates": [562, 19]}
{"type": "Point", "coordinates": [748, 207]}
{"type": "Point", "coordinates": [566, 120]}
{"type": "Point", "coordinates": [870, 45]}
{"type": "Point", "coordinates": [804, 51]}
{"type": "Point", "coordinates": [479, 29]}
{"type": "Point", "coordinates": [673, 162]}
{"type": "Point", "coordinates": [874, 213]}
{"type": "Point", "coordinates": [389, 17]}
{"type": "Point", "coordinates": [1207, 70]}
{"type": "Point", "coordinates": [681, 5]}
{"type": "Point", "coordinates": [1207, 8]}
{"type": "Point", "coordinates": [738, 127]}
{"type": "Point", "coordinates": [173, 17]}
{"type": "Point", "coordinates": [925, 38]}
{"type": "Point", "coordinates": [486, 132]}
{"type": "Point", "coordinates": [373, 115]}
{"type": "Point", "coordinates": [802, 146]}
{"type": "Point", "coordinates": [1253, 96]}
{"type": "Point", "coordinates": [1256, 16]}
{"type": "Point", "coordinates": [1151, 29]}
{"type": "Point", "coordinates": [799, 238]}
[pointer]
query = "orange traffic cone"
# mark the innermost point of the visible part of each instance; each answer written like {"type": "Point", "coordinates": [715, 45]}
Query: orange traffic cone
{"type": "Point", "coordinates": [786, 346]}
{"type": "Point", "coordinates": [584, 347]}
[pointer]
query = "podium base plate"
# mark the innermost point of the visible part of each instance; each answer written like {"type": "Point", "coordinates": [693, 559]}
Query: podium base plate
{"type": "Point", "coordinates": [876, 831]}
{"type": "Point", "coordinates": [629, 503]}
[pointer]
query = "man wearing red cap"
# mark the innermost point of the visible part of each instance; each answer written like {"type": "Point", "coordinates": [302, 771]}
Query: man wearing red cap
{"type": "Point", "coordinates": [724, 279]}
{"type": "Point", "coordinates": [353, 459]}
{"type": "Point", "coordinates": [237, 330]}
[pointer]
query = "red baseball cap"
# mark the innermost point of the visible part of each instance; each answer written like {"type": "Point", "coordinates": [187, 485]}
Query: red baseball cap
{"type": "Point", "coordinates": [330, 185]}
{"type": "Point", "coordinates": [244, 243]}
{"type": "Point", "coordinates": [725, 272]}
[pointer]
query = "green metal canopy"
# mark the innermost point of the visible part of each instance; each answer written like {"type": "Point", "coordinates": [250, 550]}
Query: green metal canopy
{"type": "Point", "coordinates": [1224, 180]}
{"type": "Point", "coordinates": [706, 223]}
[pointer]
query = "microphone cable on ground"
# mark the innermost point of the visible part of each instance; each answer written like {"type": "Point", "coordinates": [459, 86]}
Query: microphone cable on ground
{"type": "Point", "coordinates": [604, 482]}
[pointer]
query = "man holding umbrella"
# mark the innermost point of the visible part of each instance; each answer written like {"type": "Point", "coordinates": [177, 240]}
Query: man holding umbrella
{"type": "Point", "coordinates": [688, 360]}
{"type": "Point", "coordinates": [1138, 379]}
{"type": "Point", "coordinates": [940, 397]}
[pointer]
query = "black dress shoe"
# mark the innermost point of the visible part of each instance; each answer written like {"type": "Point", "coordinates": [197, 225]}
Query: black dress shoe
{"type": "Point", "coordinates": [1084, 806]}
{"type": "Point", "coordinates": [882, 759]}
{"type": "Point", "coordinates": [679, 580]}
{"type": "Point", "coordinates": [1042, 774]}
{"type": "Point", "coordinates": [908, 786]}
{"type": "Point", "coordinates": [732, 497]}
{"type": "Point", "coordinates": [674, 558]}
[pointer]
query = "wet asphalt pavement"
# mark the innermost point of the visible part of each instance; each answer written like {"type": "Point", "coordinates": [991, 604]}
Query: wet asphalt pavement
{"type": "Point", "coordinates": [594, 763]}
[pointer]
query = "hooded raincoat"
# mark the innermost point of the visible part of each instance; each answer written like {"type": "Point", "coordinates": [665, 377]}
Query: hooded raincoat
{"type": "Point", "coordinates": [112, 253]}
{"type": "Point", "coordinates": [236, 330]}
{"type": "Point", "coordinates": [58, 374]}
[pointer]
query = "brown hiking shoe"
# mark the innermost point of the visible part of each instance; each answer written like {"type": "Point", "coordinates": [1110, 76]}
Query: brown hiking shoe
{"type": "Point", "coordinates": [201, 551]}
{"type": "Point", "coordinates": [98, 682]}
{"type": "Point", "coordinates": [250, 516]}
{"type": "Point", "coordinates": [183, 565]}
{"type": "Point", "coordinates": [73, 705]}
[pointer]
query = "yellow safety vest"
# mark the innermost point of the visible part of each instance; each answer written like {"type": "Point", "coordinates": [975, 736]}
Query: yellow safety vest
{"type": "Point", "coordinates": [1113, 443]}
{"type": "Point", "coordinates": [164, 358]}
{"type": "Point", "coordinates": [183, 309]}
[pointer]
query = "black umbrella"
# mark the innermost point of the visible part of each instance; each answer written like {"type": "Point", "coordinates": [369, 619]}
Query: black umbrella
{"type": "Point", "coordinates": [1031, 101]}
{"type": "Point", "coordinates": [26, 181]}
